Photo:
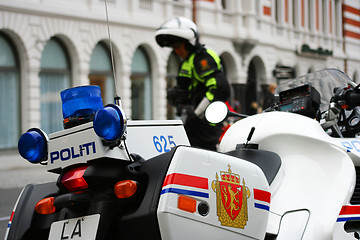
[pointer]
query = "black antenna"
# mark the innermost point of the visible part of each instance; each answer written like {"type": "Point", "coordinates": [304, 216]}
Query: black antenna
{"type": "Point", "coordinates": [249, 136]}
{"type": "Point", "coordinates": [117, 98]}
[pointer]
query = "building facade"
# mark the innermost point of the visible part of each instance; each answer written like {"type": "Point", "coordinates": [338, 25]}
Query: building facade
{"type": "Point", "coordinates": [49, 45]}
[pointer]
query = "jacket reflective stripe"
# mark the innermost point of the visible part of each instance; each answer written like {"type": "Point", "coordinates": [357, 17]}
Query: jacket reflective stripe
{"type": "Point", "coordinates": [187, 66]}
{"type": "Point", "coordinates": [211, 83]}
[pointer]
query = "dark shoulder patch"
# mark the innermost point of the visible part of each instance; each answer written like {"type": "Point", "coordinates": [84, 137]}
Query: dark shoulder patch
{"type": "Point", "coordinates": [205, 64]}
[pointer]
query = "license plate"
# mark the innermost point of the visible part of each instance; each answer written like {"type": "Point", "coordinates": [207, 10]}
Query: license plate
{"type": "Point", "coordinates": [80, 228]}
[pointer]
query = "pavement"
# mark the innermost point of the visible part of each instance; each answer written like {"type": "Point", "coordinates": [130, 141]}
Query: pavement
{"type": "Point", "coordinates": [16, 172]}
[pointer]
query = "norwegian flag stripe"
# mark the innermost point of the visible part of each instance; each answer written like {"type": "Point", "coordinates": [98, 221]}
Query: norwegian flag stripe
{"type": "Point", "coordinates": [183, 182]}
{"type": "Point", "coordinates": [186, 180]}
{"type": "Point", "coordinates": [262, 206]}
{"type": "Point", "coordinates": [10, 220]}
{"type": "Point", "coordinates": [262, 199]}
{"type": "Point", "coordinates": [348, 213]}
{"type": "Point", "coordinates": [262, 195]}
{"type": "Point", "coordinates": [185, 192]}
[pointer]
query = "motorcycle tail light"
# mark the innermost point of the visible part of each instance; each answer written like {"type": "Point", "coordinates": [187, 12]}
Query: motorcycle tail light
{"type": "Point", "coordinates": [45, 206]}
{"type": "Point", "coordinates": [125, 188]}
{"type": "Point", "coordinates": [344, 106]}
{"type": "Point", "coordinates": [73, 179]}
{"type": "Point", "coordinates": [186, 203]}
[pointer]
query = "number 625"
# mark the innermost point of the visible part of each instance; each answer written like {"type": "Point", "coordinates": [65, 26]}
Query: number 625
{"type": "Point", "coordinates": [163, 144]}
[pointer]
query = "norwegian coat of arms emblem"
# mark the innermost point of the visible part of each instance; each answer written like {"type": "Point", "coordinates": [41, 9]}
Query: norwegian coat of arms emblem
{"type": "Point", "coordinates": [231, 199]}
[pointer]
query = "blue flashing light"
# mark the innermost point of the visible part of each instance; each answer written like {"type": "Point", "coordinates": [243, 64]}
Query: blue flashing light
{"type": "Point", "coordinates": [110, 122]}
{"type": "Point", "coordinates": [32, 145]}
{"type": "Point", "coordinates": [81, 101]}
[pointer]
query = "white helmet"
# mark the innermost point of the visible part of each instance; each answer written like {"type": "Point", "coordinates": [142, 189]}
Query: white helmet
{"type": "Point", "coordinates": [175, 30]}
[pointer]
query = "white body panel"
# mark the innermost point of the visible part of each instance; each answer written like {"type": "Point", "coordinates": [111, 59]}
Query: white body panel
{"type": "Point", "coordinates": [316, 173]}
{"type": "Point", "coordinates": [198, 165]}
{"type": "Point", "coordinates": [147, 138]}
{"type": "Point", "coordinates": [150, 138]}
{"type": "Point", "coordinates": [352, 146]}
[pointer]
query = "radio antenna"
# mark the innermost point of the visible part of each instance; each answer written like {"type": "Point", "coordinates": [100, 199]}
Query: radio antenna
{"type": "Point", "coordinates": [117, 99]}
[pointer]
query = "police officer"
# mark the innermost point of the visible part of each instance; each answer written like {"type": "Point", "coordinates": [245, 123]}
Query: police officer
{"type": "Point", "coordinates": [200, 76]}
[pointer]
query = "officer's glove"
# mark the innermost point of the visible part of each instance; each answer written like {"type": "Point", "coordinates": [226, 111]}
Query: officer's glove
{"type": "Point", "coordinates": [177, 96]}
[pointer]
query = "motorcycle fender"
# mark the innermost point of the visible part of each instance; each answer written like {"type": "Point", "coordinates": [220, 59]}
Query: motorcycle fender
{"type": "Point", "coordinates": [24, 209]}
{"type": "Point", "coordinates": [230, 197]}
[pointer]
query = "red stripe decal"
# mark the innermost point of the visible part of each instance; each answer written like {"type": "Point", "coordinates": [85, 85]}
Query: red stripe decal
{"type": "Point", "coordinates": [262, 195]}
{"type": "Point", "coordinates": [186, 180]}
{"type": "Point", "coordinates": [12, 215]}
{"type": "Point", "coordinates": [346, 210]}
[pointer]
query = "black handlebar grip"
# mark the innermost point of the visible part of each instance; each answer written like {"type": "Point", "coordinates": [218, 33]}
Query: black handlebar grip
{"type": "Point", "coordinates": [352, 98]}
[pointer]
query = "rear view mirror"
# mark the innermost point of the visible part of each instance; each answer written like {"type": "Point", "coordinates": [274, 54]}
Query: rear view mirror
{"type": "Point", "coordinates": [216, 112]}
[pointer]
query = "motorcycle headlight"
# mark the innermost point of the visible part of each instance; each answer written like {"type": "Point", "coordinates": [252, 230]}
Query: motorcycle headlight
{"type": "Point", "coordinates": [110, 122]}
{"type": "Point", "coordinates": [32, 145]}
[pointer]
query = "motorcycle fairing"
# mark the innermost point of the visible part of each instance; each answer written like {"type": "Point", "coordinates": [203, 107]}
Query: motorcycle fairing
{"type": "Point", "coordinates": [223, 181]}
{"type": "Point", "coordinates": [314, 166]}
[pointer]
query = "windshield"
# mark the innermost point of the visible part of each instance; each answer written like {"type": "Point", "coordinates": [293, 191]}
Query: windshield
{"type": "Point", "coordinates": [324, 81]}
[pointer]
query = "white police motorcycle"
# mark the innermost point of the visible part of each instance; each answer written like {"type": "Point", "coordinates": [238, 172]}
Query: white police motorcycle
{"type": "Point", "coordinates": [289, 173]}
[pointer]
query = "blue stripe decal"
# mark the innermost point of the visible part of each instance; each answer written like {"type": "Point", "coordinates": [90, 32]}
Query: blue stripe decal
{"type": "Point", "coordinates": [185, 192]}
{"type": "Point", "coordinates": [262, 206]}
{"type": "Point", "coordinates": [344, 219]}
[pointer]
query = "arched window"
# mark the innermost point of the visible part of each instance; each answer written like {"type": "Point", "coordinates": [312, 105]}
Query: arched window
{"type": "Point", "coordinates": [9, 94]}
{"type": "Point", "coordinates": [101, 72]}
{"type": "Point", "coordinates": [172, 70]}
{"type": "Point", "coordinates": [55, 76]}
{"type": "Point", "coordinates": [141, 86]}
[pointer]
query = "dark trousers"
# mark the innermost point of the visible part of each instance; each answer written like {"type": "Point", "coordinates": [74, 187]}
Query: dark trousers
{"type": "Point", "coordinates": [201, 134]}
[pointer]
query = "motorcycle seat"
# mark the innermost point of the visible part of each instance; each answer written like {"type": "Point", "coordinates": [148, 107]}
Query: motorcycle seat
{"type": "Point", "coordinates": [269, 162]}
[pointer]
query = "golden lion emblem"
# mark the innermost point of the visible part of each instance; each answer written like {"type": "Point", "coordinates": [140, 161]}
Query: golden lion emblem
{"type": "Point", "coordinates": [231, 199]}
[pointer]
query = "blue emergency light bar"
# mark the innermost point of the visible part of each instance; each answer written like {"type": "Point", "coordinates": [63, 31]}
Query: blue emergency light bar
{"type": "Point", "coordinates": [81, 101]}
{"type": "Point", "coordinates": [110, 122]}
{"type": "Point", "coordinates": [32, 145]}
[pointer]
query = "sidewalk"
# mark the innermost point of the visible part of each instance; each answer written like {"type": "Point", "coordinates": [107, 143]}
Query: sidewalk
{"type": "Point", "coordinates": [16, 172]}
